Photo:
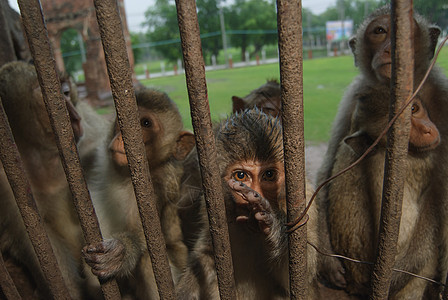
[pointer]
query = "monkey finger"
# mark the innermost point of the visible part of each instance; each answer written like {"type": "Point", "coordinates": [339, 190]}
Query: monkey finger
{"type": "Point", "coordinates": [93, 248]}
{"type": "Point", "coordinates": [244, 191]}
{"type": "Point", "coordinates": [265, 221]}
{"type": "Point", "coordinates": [239, 187]}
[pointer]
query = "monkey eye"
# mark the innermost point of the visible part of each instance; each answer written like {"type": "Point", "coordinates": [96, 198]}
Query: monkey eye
{"type": "Point", "coordinates": [240, 176]}
{"type": "Point", "coordinates": [65, 89]}
{"type": "Point", "coordinates": [145, 122]}
{"type": "Point", "coordinates": [415, 108]}
{"type": "Point", "coordinates": [270, 175]}
{"type": "Point", "coordinates": [379, 30]}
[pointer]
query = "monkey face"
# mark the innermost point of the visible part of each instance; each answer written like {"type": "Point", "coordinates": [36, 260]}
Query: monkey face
{"type": "Point", "coordinates": [271, 107]}
{"type": "Point", "coordinates": [424, 134]}
{"type": "Point", "coordinates": [266, 178]}
{"type": "Point", "coordinates": [378, 41]}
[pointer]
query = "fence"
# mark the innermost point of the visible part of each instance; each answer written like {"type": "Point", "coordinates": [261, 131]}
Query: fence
{"type": "Point", "coordinates": [290, 49]}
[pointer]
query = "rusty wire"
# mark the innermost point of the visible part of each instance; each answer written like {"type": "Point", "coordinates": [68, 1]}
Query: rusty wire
{"type": "Point", "coordinates": [120, 76]}
{"type": "Point", "coordinates": [297, 223]}
{"type": "Point", "coordinates": [371, 263]}
{"type": "Point", "coordinates": [205, 144]}
{"type": "Point", "coordinates": [289, 24]}
{"type": "Point", "coordinates": [37, 35]}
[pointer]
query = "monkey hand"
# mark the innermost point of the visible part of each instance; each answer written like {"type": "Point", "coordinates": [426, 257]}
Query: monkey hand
{"type": "Point", "coordinates": [105, 258]}
{"type": "Point", "coordinates": [255, 207]}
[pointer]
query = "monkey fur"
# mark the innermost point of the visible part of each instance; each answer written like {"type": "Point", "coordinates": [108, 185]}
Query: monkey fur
{"type": "Point", "coordinates": [250, 159]}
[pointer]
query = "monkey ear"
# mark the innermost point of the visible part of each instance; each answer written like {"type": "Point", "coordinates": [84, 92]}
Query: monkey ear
{"type": "Point", "coordinates": [185, 143]}
{"type": "Point", "coordinates": [434, 32]}
{"type": "Point", "coordinates": [352, 44]}
{"type": "Point", "coordinates": [359, 142]}
{"type": "Point", "coordinates": [237, 104]}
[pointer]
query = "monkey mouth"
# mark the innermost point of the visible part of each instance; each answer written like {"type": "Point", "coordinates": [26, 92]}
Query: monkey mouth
{"type": "Point", "coordinates": [425, 148]}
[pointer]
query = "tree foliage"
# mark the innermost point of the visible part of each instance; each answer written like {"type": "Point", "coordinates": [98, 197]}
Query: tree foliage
{"type": "Point", "coordinates": [250, 16]}
{"type": "Point", "coordinates": [435, 11]}
{"type": "Point", "coordinates": [70, 48]}
{"type": "Point", "coordinates": [163, 30]}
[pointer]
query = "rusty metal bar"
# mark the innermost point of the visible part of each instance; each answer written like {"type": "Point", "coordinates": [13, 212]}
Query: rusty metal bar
{"type": "Point", "coordinates": [12, 164]}
{"type": "Point", "coordinates": [7, 53]}
{"type": "Point", "coordinates": [445, 289]}
{"type": "Point", "coordinates": [6, 284]}
{"type": "Point", "coordinates": [120, 76]}
{"type": "Point", "coordinates": [37, 35]}
{"type": "Point", "coordinates": [289, 23]}
{"type": "Point", "coordinates": [205, 143]}
{"type": "Point", "coordinates": [397, 145]}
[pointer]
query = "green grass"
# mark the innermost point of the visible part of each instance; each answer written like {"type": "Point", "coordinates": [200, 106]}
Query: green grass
{"type": "Point", "coordinates": [324, 81]}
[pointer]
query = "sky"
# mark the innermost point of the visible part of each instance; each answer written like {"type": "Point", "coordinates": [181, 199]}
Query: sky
{"type": "Point", "coordinates": [135, 9]}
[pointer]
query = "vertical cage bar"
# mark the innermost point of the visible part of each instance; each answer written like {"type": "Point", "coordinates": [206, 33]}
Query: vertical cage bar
{"type": "Point", "coordinates": [12, 164]}
{"type": "Point", "coordinates": [397, 145]}
{"type": "Point", "coordinates": [120, 76]}
{"type": "Point", "coordinates": [289, 20]}
{"type": "Point", "coordinates": [6, 284]}
{"type": "Point", "coordinates": [445, 290]}
{"type": "Point", "coordinates": [37, 35]}
{"type": "Point", "coordinates": [205, 143]}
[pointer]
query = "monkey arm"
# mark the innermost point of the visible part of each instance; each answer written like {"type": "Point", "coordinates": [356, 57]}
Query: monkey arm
{"type": "Point", "coordinates": [114, 257]}
{"type": "Point", "coordinates": [199, 280]}
{"type": "Point", "coordinates": [271, 221]}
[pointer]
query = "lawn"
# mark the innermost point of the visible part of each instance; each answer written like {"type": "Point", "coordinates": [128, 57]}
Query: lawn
{"type": "Point", "coordinates": [324, 80]}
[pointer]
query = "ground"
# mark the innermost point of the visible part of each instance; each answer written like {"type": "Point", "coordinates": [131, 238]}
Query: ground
{"type": "Point", "coordinates": [314, 155]}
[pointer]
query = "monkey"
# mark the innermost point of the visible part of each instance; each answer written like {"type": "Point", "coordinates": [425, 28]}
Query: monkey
{"type": "Point", "coordinates": [372, 55]}
{"type": "Point", "coordinates": [123, 254]}
{"type": "Point", "coordinates": [354, 198]}
{"type": "Point", "coordinates": [267, 97]}
{"type": "Point", "coordinates": [23, 103]}
{"type": "Point", "coordinates": [250, 160]}
{"type": "Point", "coordinates": [93, 124]}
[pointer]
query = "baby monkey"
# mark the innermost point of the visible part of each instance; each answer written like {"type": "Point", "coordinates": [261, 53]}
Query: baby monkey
{"type": "Point", "coordinates": [250, 158]}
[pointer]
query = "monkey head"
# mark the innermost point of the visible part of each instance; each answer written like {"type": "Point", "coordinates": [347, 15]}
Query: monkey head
{"type": "Point", "coordinates": [267, 98]}
{"type": "Point", "coordinates": [372, 115]}
{"type": "Point", "coordinates": [250, 151]}
{"type": "Point", "coordinates": [371, 45]}
{"type": "Point", "coordinates": [24, 105]}
{"type": "Point", "coordinates": [162, 132]}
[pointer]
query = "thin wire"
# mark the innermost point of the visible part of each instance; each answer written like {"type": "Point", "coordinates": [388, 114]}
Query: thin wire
{"type": "Point", "coordinates": [371, 263]}
{"type": "Point", "coordinates": [297, 224]}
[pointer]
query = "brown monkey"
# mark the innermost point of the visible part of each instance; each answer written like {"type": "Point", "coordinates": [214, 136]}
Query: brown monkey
{"type": "Point", "coordinates": [267, 97]}
{"type": "Point", "coordinates": [354, 199]}
{"type": "Point", "coordinates": [123, 253]}
{"type": "Point", "coordinates": [372, 52]}
{"type": "Point", "coordinates": [250, 159]}
{"type": "Point", "coordinates": [23, 103]}
{"type": "Point", "coordinates": [93, 125]}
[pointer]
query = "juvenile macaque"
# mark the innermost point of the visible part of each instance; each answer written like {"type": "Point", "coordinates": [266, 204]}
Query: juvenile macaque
{"type": "Point", "coordinates": [250, 159]}
{"type": "Point", "coordinates": [267, 97]}
{"type": "Point", "coordinates": [123, 254]}
{"type": "Point", "coordinates": [355, 198]}
{"type": "Point", "coordinates": [371, 47]}
{"type": "Point", "coordinates": [24, 106]}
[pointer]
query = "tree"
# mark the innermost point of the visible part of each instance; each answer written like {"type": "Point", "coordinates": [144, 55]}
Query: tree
{"type": "Point", "coordinates": [163, 29]}
{"type": "Point", "coordinates": [209, 25]}
{"type": "Point", "coordinates": [435, 11]}
{"type": "Point", "coordinates": [248, 17]}
{"type": "Point", "coordinates": [70, 49]}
